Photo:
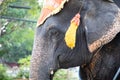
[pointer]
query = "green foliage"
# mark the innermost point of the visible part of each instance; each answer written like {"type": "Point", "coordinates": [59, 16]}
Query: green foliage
{"type": "Point", "coordinates": [17, 43]}
{"type": "Point", "coordinates": [19, 13]}
{"type": "Point", "coordinates": [35, 9]}
{"type": "Point", "coordinates": [24, 67]}
{"type": "Point", "coordinates": [64, 74]}
{"type": "Point", "coordinates": [23, 73]}
{"type": "Point", "coordinates": [33, 13]}
{"type": "Point", "coordinates": [25, 62]}
{"type": "Point", "coordinates": [18, 40]}
{"type": "Point", "coordinates": [61, 75]}
{"type": "Point", "coordinates": [3, 75]}
{"type": "Point", "coordinates": [4, 5]}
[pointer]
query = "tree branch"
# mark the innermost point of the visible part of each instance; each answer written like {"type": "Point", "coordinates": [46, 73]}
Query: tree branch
{"type": "Point", "coordinates": [20, 7]}
{"type": "Point", "coordinates": [18, 19]}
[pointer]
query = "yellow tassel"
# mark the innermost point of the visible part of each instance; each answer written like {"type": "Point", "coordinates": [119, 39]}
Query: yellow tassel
{"type": "Point", "coordinates": [70, 36]}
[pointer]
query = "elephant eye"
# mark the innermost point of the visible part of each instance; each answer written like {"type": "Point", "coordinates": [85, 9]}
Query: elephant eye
{"type": "Point", "coordinates": [53, 32]}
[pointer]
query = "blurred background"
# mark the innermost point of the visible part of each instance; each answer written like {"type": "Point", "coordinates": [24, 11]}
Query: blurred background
{"type": "Point", "coordinates": [17, 26]}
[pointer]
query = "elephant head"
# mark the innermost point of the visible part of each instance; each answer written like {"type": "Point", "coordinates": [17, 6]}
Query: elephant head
{"type": "Point", "coordinates": [99, 24]}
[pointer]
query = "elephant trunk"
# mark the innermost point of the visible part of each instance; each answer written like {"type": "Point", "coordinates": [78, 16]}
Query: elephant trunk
{"type": "Point", "coordinates": [38, 69]}
{"type": "Point", "coordinates": [42, 62]}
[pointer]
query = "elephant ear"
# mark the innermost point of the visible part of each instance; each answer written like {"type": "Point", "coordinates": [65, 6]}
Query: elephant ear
{"type": "Point", "coordinates": [107, 27]}
{"type": "Point", "coordinates": [50, 7]}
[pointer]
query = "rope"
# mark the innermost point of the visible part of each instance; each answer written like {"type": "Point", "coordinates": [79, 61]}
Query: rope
{"type": "Point", "coordinates": [117, 74]}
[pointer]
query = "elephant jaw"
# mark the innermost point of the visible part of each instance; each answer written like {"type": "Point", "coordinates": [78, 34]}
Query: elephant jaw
{"type": "Point", "coordinates": [108, 36]}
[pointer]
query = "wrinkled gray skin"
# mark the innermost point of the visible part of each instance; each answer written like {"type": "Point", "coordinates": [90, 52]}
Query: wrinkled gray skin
{"type": "Point", "coordinates": [50, 53]}
{"type": "Point", "coordinates": [104, 63]}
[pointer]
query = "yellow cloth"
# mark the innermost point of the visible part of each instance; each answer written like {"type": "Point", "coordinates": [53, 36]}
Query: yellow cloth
{"type": "Point", "coordinates": [70, 36]}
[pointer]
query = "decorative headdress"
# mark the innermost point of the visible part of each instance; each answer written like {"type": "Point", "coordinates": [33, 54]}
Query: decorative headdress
{"type": "Point", "coordinates": [50, 7]}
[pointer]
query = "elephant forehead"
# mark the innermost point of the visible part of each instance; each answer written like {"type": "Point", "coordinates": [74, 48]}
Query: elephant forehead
{"type": "Point", "coordinates": [50, 7]}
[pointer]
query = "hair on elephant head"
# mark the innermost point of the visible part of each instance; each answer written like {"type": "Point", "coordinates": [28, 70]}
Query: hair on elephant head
{"type": "Point", "coordinates": [97, 27]}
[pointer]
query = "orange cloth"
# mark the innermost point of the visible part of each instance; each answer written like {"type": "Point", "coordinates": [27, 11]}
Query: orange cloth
{"type": "Point", "coordinates": [50, 7]}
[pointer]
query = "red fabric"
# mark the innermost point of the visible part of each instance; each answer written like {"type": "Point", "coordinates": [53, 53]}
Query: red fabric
{"type": "Point", "coordinates": [48, 8]}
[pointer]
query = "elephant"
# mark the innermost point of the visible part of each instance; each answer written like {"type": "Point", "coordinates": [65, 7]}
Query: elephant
{"type": "Point", "coordinates": [99, 25]}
